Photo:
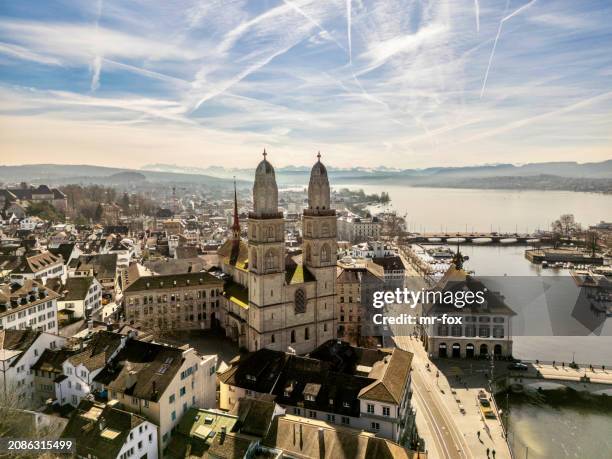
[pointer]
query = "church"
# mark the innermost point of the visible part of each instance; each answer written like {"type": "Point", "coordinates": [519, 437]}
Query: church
{"type": "Point", "coordinates": [275, 300]}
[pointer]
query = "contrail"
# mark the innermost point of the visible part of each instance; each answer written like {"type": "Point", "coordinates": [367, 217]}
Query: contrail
{"type": "Point", "coordinates": [477, 7]}
{"type": "Point", "coordinates": [96, 65]}
{"type": "Point", "coordinates": [313, 22]}
{"type": "Point", "coordinates": [348, 29]}
{"type": "Point", "coordinates": [499, 29]}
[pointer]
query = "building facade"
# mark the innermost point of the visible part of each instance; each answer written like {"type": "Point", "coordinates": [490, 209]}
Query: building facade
{"type": "Point", "coordinates": [188, 301]}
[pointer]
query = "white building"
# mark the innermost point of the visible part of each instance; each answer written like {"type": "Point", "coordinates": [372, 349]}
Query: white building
{"type": "Point", "coordinates": [356, 229]}
{"type": "Point", "coordinates": [372, 249]}
{"type": "Point", "coordinates": [81, 297]}
{"type": "Point", "coordinates": [28, 304]}
{"type": "Point", "coordinates": [80, 369]}
{"type": "Point", "coordinates": [107, 430]}
{"type": "Point", "coordinates": [19, 351]}
{"type": "Point", "coordinates": [159, 383]}
{"type": "Point", "coordinates": [40, 266]}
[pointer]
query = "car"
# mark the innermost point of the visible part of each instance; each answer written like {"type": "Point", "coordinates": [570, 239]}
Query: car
{"type": "Point", "coordinates": [518, 366]}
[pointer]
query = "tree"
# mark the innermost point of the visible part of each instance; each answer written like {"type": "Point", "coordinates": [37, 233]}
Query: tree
{"type": "Point", "coordinates": [591, 239]}
{"type": "Point", "coordinates": [125, 203]}
{"type": "Point", "coordinates": [566, 226]}
{"type": "Point", "coordinates": [99, 213]}
{"type": "Point", "coordinates": [45, 211]}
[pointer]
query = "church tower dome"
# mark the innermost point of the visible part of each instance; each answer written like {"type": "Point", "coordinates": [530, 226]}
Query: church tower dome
{"type": "Point", "coordinates": [318, 188]}
{"type": "Point", "coordinates": [265, 190]}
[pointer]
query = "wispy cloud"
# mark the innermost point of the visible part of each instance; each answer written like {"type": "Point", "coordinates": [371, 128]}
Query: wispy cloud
{"type": "Point", "coordinates": [349, 77]}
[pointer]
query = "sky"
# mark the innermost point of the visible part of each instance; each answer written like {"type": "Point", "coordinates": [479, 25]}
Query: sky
{"type": "Point", "coordinates": [399, 84]}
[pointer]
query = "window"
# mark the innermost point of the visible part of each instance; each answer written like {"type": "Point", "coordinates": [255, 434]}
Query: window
{"type": "Point", "coordinates": [270, 260]}
{"type": "Point", "coordinates": [306, 333]}
{"type": "Point", "coordinates": [346, 420]}
{"type": "Point", "coordinates": [370, 408]}
{"type": "Point", "coordinates": [272, 338]}
{"type": "Point", "coordinates": [293, 336]}
{"type": "Point", "coordinates": [325, 255]}
{"type": "Point", "coordinates": [253, 260]}
{"type": "Point", "coordinates": [386, 411]}
{"type": "Point", "coordinates": [182, 391]}
{"type": "Point", "coordinates": [300, 301]}
{"type": "Point", "coordinates": [173, 416]}
{"type": "Point", "coordinates": [312, 414]}
{"type": "Point", "coordinates": [375, 426]}
{"type": "Point", "coordinates": [171, 398]}
{"type": "Point", "coordinates": [331, 418]}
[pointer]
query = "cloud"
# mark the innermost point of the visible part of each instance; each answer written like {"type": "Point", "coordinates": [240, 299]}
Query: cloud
{"type": "Point", "coordinates": [349, 77]}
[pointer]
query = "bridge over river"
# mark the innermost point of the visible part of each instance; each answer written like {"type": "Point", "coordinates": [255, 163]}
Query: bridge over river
{"type": "Point", "coordinates": [477, 238]}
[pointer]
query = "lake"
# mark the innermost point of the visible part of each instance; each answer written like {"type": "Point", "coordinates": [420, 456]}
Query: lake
{"type": "Point", "coordinates": [449, 209]}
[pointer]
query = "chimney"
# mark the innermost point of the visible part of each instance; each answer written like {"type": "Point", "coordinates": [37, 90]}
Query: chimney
{"type": "Point", "coordinates": [222, 437]}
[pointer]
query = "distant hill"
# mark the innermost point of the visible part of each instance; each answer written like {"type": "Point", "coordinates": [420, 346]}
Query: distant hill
{"type": "Point", "coordinates": [550, 175]}
{"type": "Point", "coordinates": [60, 174]}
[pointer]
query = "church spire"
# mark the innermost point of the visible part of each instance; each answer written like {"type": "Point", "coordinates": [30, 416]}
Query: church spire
{"type": "Point", "coordinates": [236, 224]}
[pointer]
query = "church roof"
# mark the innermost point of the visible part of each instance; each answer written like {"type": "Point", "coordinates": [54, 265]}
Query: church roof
{"type": "Point", "coordinates": [236, 293]}
{"type": "Point", "coordinates": [228, 253]}
{"type": "Point", "coordinates": [296, 272]}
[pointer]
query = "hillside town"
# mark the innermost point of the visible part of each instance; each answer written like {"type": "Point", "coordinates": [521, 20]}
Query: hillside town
{"type": "Point", "coordinates": [228, 326]}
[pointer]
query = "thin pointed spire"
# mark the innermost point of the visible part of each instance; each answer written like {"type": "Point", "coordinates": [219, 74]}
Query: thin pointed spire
{"type": "Point", "coordinates": [265, 154]}
{"type": "Point", "coordinates": [236, 224]}
{"type": "Point", "coordinates": [319, 156]}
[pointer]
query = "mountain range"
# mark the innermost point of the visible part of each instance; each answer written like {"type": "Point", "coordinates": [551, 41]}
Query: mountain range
{"type": "Point", "coordinates": [550, 175]}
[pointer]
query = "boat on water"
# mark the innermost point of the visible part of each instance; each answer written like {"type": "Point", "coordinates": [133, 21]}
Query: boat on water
{"type": "Point", "coordinates": [533, 241]}
{"type": "Point", "coordinates": [455, 240]}
{"type": "Point", "coordinates": [508, 240]}
{"type": "Point", "coordinates": [482, 240]}
{"type": "Point", "coordinates": [434, 239]}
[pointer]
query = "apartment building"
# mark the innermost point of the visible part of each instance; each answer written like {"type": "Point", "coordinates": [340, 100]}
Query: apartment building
{"type": "Point", "coordinates": [355, 287]}
{"type": "Point", "coordinates": [357, 229]}
{"type": "Point", "coordinates": [108, 431]}
{"type": "Point", "coordinates": [19, 351]}
{"type": "Point", "coordinates": [39, 266]}
{"type": "Point", "coordinates": [28, 304]}
{"type": "Point", "coordinates": [342, 385]}
{"type": "Point", "coordinates": [159, 382]}
{"type": "Point", "coordinates": [80, 369]}
{"type": "Point", "coordinates": [188, 301]}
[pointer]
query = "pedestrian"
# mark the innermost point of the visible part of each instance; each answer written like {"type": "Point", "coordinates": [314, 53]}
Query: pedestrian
{"type": "Point", "coordinates": [478, 433]}
{"type": "Point", "coordinates": [493, 454]}
{"type": "Point", "coordinates": [487, 452]}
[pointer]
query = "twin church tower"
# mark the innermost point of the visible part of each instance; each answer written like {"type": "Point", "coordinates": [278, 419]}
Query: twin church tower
{"type": "Point", "coordinates": [291, 299]}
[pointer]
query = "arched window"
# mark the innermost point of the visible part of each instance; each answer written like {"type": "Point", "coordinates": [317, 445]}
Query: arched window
{"type": "Point", "coordinates": [270, 260]}
{"type": "Point", "coordinates": [270, 232]}
{"type": "Point", "coordinates": [307, 253]}
{"type": "Point", "coordinates": [293, 336]}
{"type": "Point", "coordinates": [253, 260]}
{"type": "Point", "coordinates": [325, 230]}
{"type": "Point", "coordinates": [325, 256]}
{"type": "Point", "coordinates": [300, 301]}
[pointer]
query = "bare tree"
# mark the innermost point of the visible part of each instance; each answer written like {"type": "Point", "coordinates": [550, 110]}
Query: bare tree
{"type": "Point", "coordinates": [591, 242]}
{"type": "Point", "coordinates": [566, 226]}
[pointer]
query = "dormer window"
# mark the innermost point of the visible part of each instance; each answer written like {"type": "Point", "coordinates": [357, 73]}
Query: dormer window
{"type": "Point", "coordinates": [346, 405]}
{"type": "Point", "coordinates": [309, 398]}
{"type": "Point", "coordinates": [251, 378]}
